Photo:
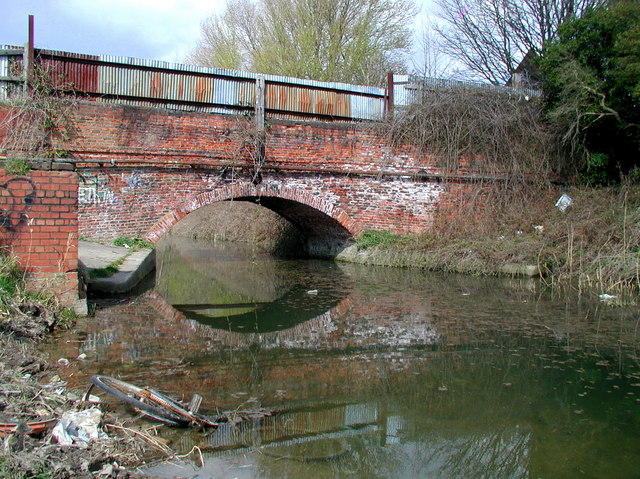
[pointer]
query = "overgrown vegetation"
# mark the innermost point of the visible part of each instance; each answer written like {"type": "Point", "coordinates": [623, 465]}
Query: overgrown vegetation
{"type": "Point", "coordinates": [592, 84]}
{"type": "Point", "coordinates": [16, 166]}
{"type": "Point", "coordinates": [39, 119]}
{"type": "Point", "coordinates": [373, 238]}
{"type": "Point", "coordinates": [489, 133]}
{"type": "Point", "coordinates": [594, 244]}
{"type": "Point", "coordinates": [109, 270]}
{"type": "Point", "coordinates": [133, 242]}
{"type": "Point", "coordinates": [17, 300]}
{"type": "Point", "coordinates": [507, 215]}
{"type": "Point", "coordinates": [10, 277]}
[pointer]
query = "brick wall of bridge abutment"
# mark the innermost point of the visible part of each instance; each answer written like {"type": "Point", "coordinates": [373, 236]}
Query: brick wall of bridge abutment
{"type": "Point", "coordinates": [39, 225]}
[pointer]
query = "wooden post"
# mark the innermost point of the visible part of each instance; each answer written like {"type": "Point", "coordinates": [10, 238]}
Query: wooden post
{"type": "Point", "coordinates": [260, 140]}
{"type": "Point", "coordinates": [390, 99]}
{"type": "Point", "coordinates": [29, 57]}
{"type": "Point", "coordinates": [260, 90]}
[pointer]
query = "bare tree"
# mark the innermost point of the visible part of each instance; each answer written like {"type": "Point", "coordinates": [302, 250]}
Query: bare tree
{"type": "Point", "coordinates": [228, 40]}
{"type": "Point", "coordinates": [355, 41]}
{"type": "Point", "coordinates": [491, 37]}
{"type": "Point", "coordinates": [430, 59]}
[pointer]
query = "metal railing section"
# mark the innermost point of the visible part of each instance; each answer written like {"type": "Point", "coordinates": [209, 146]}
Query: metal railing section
{"type": "Point", "coordinates": [409, 88]}
{"type": "Point", "coordinates": [187, 87]}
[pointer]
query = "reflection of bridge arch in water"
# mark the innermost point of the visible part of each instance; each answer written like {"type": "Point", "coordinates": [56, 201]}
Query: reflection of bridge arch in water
{"type": "Point", "coordinates": [306, 334]}
{"type": "Point", "coordinates": [326, 330]}
{"type": "Point", "coordinates": [238, 299]}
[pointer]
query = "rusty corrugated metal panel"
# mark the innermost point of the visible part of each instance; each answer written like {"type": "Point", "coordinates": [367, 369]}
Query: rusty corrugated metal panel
{"type": "Point", "coordinates": [415, 83]}
{"type": "Point", "coordinates": [292, 94]}
{"type": "Point", "coordinates": [234, 92]}
{"type": "Point", "coordinates": [157, 80]}
{"type": "Point", "coordinates": [122, 81]}
{"type": "Point", "coordinates": [68, 75]}
{"type": "Point", "coordinates": [366, 108]}
{"type": "Point", "coordinates": [294, 99]}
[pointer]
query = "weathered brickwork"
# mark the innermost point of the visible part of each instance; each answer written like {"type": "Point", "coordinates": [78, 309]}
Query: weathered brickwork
{"type": "Point", "coordinates": [142, 169]}
{"type": "Point", "coordinates": [149, 201]}
{"type": "Point", "coordinates": [139, 170]}
{"type": "Point", "coordinates": [39, 224]}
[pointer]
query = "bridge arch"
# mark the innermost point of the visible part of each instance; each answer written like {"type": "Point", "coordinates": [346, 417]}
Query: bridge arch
{"type": "Point", "coordinates": [326, 227]}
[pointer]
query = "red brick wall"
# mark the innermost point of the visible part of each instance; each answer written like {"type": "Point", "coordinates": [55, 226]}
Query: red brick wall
{"type": "Point", "coordinates": [142, 169]}
{"type": "Point", "coordinates": [39, 224]}
{"type": "Point", "coordinates": [158, 165]}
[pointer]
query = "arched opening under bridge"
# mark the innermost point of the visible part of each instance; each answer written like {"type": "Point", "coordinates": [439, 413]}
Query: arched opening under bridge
{"type": "Point", "coordinates": [326, 229]}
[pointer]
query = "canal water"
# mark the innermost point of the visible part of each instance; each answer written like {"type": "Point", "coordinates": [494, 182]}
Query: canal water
{"type": "Point", "coordinates": [371, 372]}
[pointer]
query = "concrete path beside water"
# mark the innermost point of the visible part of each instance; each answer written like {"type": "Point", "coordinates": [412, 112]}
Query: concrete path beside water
{"type": "Point", "coordinates": [132, 266]}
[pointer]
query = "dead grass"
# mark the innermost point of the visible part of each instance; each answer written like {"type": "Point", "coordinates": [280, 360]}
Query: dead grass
{"type": "Point", "coordinates": [594, 243]}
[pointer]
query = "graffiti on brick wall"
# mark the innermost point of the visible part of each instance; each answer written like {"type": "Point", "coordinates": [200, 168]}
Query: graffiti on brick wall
{"type": "Point", "coordinates": [133, 181]}
{"type": "Point", "coordinates": [94, 190]}
{"type": "Point", "coordinates": [18, 195]}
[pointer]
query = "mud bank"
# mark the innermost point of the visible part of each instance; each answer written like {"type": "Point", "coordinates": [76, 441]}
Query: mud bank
{"type": "Point", "coordinates": [31, 391]}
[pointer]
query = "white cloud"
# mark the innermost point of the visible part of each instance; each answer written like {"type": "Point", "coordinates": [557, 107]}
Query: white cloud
{"type": "Point", "coordinates": [157, 29]}
{"type": "Point", "coordinates": [153, 29]}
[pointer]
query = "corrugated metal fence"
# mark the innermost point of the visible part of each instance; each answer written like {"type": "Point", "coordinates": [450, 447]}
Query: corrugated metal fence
{"type": "Point", "coordinates": [187, 87]}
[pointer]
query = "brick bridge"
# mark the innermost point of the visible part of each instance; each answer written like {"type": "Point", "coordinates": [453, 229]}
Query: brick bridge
{"type": "Point", "coordinates": [141, 144]}
{"type": "Point", "coordinates": [141, 170]}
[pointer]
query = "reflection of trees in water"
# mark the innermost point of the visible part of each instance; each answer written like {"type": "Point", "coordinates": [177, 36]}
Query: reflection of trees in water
{"type": "Point", "coordinates": [501, 453]}
{"type": "Point", "coordinates": [197, 272]}
{"type": "Point", "coordinates": [329, 440]}
{"type": "Point", "coordinates": [503, 398]}
{"type": "Point", "coordinates": [469, 376]}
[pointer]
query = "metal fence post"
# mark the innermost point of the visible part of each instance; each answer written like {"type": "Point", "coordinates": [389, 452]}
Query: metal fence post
{"type": "Point", "coordinates": [260, 90]}
{"type": "Point", "coordinates": [29, 57]}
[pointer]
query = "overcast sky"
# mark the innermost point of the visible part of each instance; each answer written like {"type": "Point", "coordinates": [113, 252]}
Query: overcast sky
{"type": "Point", "coordinates": [151, 29]}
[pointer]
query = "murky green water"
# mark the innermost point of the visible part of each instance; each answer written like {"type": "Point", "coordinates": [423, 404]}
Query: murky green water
{"type": "Point", "coordinates": [375, 372]}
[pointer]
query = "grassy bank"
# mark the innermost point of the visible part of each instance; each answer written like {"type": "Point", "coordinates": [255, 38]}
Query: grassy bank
{"type": "Point", "coordinates": [594, 243]}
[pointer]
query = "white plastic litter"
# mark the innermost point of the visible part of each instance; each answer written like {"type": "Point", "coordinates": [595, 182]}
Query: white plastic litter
{"type": "Point", "coordinates": [564, 202]}
{"type": "Point", "coordinates": [78, 428]}
{"type": "Point", "coordinates": [607, 298]}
